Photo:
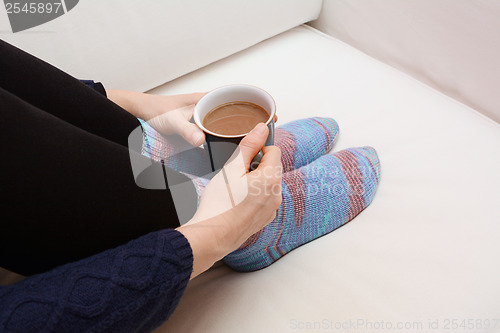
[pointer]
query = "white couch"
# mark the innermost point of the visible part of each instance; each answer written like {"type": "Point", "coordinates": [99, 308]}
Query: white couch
{"type": "Point", "coordinates": [425, 255]}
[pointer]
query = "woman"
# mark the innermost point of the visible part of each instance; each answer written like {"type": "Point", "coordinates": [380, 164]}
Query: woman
{"type": "Point", "coordinates": [108, 255]}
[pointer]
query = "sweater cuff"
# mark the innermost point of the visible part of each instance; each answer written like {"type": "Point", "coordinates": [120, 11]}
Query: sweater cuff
{"type": "Point", "coordinates": [182, 248]}
{"type": "Point", "coordinates": [100, 88]}
{"type": "Point", "coordinates": [97, 86]}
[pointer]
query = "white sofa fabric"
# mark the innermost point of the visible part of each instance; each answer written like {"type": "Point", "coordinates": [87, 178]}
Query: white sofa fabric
{"type": "Point", "coordinates": [452, 45]}
{"type": "Point", "coordinates": [426, 249]}
{"type": "Point", "coordinates": [138, 45]}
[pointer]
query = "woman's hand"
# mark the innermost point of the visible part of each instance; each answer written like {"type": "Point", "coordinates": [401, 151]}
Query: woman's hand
{"type": "Point", "coordinates": [236, 203]}
{"type": "Point", "coordinates": [166, 114]}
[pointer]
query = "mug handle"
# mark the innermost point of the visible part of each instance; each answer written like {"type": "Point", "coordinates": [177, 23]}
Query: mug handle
{"type": "Point", "coordinates": [256, 160]}
{"type": "Point", "coordinates": [269, 142]}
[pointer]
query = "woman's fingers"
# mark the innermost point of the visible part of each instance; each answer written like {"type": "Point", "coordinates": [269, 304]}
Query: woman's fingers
{"type": "Point", "coordinates": [192, 98]}
{"type": "Point", "coordinates": [192, 134]}
{"type": "Point", "coordinates": [271, 158]}
{"type": "Point", "coordinates": [180, 123]}
{"type": "Point", "coordinates": [188, 130]}
{"type": "Point", "coordinates": [177, 122]}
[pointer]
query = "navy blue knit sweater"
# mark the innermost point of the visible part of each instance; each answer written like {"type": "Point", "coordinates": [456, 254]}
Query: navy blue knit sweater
{"type": "Point", "coordinates": [131, 288]}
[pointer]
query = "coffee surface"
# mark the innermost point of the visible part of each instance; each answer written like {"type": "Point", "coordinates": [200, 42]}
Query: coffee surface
{"type": "Point", "coordinates": [234, 118]}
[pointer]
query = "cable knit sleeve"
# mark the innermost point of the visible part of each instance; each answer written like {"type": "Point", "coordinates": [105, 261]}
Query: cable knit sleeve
{"type": "Point", "coordinates": [131, 288]}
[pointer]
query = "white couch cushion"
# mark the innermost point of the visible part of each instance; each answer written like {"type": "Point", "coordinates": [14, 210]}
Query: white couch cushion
{"type": "Point", "coordinates": [139, 45]}
{"type": "Point", "coordinates": [452, 45]}
{"type": "Point", "coordinates": [426, 249]}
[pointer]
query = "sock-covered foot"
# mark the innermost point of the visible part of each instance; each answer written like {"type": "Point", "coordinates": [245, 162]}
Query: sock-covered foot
{"type": "Point", "coordinates": [178, 155]}
{"type": "Point", "coordinates": [317, 199]}
{"type": "Point", "coordinates": [174, 152]}
{"type": "Point", "coordinates": [303, 141]}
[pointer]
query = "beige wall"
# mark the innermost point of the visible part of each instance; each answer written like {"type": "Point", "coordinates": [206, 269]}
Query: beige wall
{"type": "Point", "coordinates": [452, 45]}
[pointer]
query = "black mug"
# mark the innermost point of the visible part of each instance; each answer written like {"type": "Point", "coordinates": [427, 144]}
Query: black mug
{"type": "Point", "coordinates": [220, 147]}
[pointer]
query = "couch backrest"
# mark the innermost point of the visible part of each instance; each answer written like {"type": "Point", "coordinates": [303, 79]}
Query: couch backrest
{"type": "Point", "coordinates": [138, 45]}
{"type": "Point", "coordinates": [453, 45]}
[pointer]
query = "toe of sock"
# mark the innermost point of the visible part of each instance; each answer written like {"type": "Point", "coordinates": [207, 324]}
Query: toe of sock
{"type": "Point", "coordinates": [303, 141]}
{"type": "Point", "coordinates": [321, 129]}
{"type": "Point", "coordinates": [371, 157]}
{"type": "Point", "coordinates": [369, 168]}
{"type": "Point", "coordinates": [331, 128]}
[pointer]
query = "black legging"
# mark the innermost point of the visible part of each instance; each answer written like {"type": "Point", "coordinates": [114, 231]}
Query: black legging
{"type": "Point", "coordinates": [67, 190]}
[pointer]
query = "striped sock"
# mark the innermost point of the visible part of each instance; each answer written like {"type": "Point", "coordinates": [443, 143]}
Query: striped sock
{"type": "Point", "coordinates": [317, 199]}
{"type": "Point", "coordinates": [174, 152]}
{"type": "Point", "coordinates": [303, 141]}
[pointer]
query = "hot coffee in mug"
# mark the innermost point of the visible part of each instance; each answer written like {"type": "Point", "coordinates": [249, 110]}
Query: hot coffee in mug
{"type": "Point", "coordinates": [235, 118]}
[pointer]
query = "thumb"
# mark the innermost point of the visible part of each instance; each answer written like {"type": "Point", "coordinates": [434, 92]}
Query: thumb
{"type": "Point", "coordinates": [177, 122]}
{"type": "Point", "coordinates": [192, 133]}
{"type": "Point", "coordinates": [252, 143]}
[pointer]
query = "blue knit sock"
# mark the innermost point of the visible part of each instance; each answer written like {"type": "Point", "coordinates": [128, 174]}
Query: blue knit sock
{"type": "Point", "coordinates": [317, 199]}
{"type": "Point", "coordinates": [174, 152]}
{"type": "Point", "coordinates": [301, 142]}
